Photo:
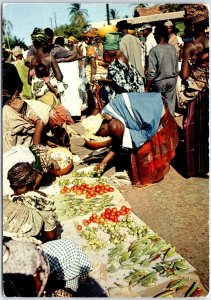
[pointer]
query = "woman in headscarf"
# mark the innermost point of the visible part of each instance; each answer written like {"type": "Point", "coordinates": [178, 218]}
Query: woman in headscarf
{"type": "Point", "coordinates": [43, 56]}
{"type": "Point", "coordinates": [95, 69]}
{"type": "Point", "coordinates": [122, 76]}
{"type": "Point", "coordinates": [25, 267]}
{"type": "Point", "coordinates": [25, 122]}
{"type": "Point", "coordinates": [26, 211]}
{"type": "Point", "coordinates": [55, 266]}
{"type": "Point", "coordinates": [142, 123]}
{"type": "Point", "coordinates": [195, 73]}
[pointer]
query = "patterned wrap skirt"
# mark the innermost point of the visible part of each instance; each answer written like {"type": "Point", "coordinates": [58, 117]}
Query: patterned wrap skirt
{"type": "Point", "coordinates": [196, 130]}
{"type": "Point", "coordinates": [151, 162]}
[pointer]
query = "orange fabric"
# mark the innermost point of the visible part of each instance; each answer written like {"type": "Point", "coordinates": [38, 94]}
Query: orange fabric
{"type": "Point", "coordinates": [59, 114]}
{"type": "Point", "coordinates": [91, 52]}
{"type": "Point", "coordinates": [151, 162]}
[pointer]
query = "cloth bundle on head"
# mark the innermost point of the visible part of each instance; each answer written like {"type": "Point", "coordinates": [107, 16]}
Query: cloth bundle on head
{"type": "Point", "coordinates": [38, 35]}
{"type": "Point", "coordinates": [17, 51]}
{"type": "Point", "coordinates": [25, 258]}
{"type": "Point", "coordinates": [60, 115]}
{"type": "Point", "coordinates": [72, 39]}
{"type": "Point", "coordinates": [22, 174]}
{"type": "Point", "coordinates": [196, 13]}
{"type": "Point", "coordinates": [92, 123]}
{"type": "Point", "coordinates": [168, 23]}
{"type": "Point", "coordinates": [111, 41]}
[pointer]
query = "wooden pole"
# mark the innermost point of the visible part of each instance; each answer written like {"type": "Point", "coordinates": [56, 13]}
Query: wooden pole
{"type": "Point", "coordinates": [107, 13]}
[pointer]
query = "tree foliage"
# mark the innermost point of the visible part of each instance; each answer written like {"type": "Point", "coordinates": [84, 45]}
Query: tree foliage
{"type": "Point", "coordinates": [172, 7]}
{"type": "Point", "coordinates": [77, 14]}
{"type": "Point", "coordinates": [114, 14]}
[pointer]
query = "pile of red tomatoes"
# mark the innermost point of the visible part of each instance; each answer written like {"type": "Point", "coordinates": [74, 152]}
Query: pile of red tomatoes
{"type": "Point", "coordinates": [111, 214]}
{"type": "Point", "coordinates": [89, 190]}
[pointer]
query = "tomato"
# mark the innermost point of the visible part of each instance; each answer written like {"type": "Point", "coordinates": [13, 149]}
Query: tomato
{"type": "Point", "coordinates": [94, 216]}
{"type": "Point", "coordinates": [86, 223]}
{"type": "Point", "coordinates": [101, 184]}
{"type": "Point", "coordinates": [79, 227]}
{"type": "Point", "coordinates": [79, 192]}
{"type": "Point", "coordinates": [128, 210]}
{"type": "Point", "coordinates": [197, 292]}
{"type": "Point", "coordinates": [123, 212]}
{"type": "Point", "coordinates": [84, 192]}
{"type": "Point", "coordinates": [114, 209]}
{"type": "Point", "coordinates": [117, 213]}
{"type": "Point", "coordinates": [111, 218]}
{"type": "Point", "coordinates": [123, 207]}
{"type": "Point", "coordinates": [103, 215]}
{"type": "Point", "coordinates": [107, 216]}
{"type": "Point", "coordinates": [111, 189]}
{"type": "Point", "coordinates": [101, 192]}
{"type": "Point", "coordinates": [107, 187]}
{"type": "Point", "coordinates": [88, 196]}
{"type": "Point", "coordinates": [91, 219]}
{"type": "Point", "coordinates": [107, 210]}
{"type": "Point", "coordinates": [116, 219]}
{"type": "Point", "coordinates": [75, 188]}
{"type": "Point", "coordinates": [97, 189]}
{"type": "Point", "coordinates": [101, 221]}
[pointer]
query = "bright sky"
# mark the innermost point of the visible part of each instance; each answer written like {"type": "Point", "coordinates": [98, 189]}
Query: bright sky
{"type": "Point", "coordinates": [26, 16]}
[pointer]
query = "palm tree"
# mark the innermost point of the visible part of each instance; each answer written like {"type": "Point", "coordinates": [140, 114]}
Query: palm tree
{"type": "Point", "coordinates": [77, 15]}
{"type": "Point", "coordinates": [6, 30]}
{"type": "Point", "coordinates": [114, 14]}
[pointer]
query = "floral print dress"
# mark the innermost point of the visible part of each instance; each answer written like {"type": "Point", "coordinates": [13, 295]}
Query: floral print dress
{"type": "Point", "coordinates": [125, 79]}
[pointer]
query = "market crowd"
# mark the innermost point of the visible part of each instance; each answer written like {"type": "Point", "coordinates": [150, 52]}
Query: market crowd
{"type": "Point", "coordinates": [132, 87]}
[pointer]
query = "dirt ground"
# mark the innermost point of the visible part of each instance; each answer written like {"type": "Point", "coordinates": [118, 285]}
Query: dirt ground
{"type": "Point", "coordinates": [177, 208]}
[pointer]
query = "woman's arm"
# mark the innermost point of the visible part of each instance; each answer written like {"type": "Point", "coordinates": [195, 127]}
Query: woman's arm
{"type": "Point", "coordinates": [110, 155]}
{"type": "Point", "coordinates": [56, 69]}
{"type": "Point", "coordinates": [69, 58]}
{"type": "Point", "coordinates": [185, 68]}
{"type": "Point", "coordinates": [93, 65]}
{"type": "Point", "coordinates": [38, 131]}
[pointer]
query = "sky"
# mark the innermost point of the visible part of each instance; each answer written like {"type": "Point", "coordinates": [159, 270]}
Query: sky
{"type": "Point", "coordinates": [26, 16]}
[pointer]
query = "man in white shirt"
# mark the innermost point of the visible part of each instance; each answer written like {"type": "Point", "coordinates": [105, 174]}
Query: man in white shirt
{"type": "Point", "coordinates": [150, 42]}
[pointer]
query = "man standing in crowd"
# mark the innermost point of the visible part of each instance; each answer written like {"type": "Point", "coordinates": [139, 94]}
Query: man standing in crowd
{"type": "Point", "coordinates": [163, 68]}
{"type": "Point", "coordinates": [150, 42]}
{"type": "Point", "coordinates": [131, 47]}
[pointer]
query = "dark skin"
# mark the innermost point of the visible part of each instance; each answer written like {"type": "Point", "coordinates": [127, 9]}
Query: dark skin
{"type": "Point", "coordinates": [191, 50]}
{"type": "Point", "coordinates": [42, 56]}
{"type": "Point", "coordinates": [114, 128]}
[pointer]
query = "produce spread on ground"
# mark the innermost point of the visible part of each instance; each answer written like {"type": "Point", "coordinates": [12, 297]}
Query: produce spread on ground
{"type": "Point", "coordinates": [128, 258]}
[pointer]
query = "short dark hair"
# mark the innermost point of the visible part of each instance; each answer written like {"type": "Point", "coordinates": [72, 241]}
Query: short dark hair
{"type": "Point", "coordinates": [59, 41]}
{"type": "Point", "coordinates": [49, 32]}
{"type": "Point", "coordinates": [160, 31]}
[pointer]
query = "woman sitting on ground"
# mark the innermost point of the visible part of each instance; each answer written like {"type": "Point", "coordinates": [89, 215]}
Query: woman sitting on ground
{"type": "Point", "coordinates": [28, 122]}
{"type": "Point", "coordinates": [142, 123]}
{"type": "Point", "coordinates": [122, 76]}
{"type": "Point", "coordinates": [26, 211]}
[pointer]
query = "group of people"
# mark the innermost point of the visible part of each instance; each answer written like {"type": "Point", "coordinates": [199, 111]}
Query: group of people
{"type": "Point", "coordinates": [131, 88]}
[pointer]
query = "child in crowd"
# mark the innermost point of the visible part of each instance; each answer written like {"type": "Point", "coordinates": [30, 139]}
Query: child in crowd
{"type": "Point", "coordinates": [42, 83]}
